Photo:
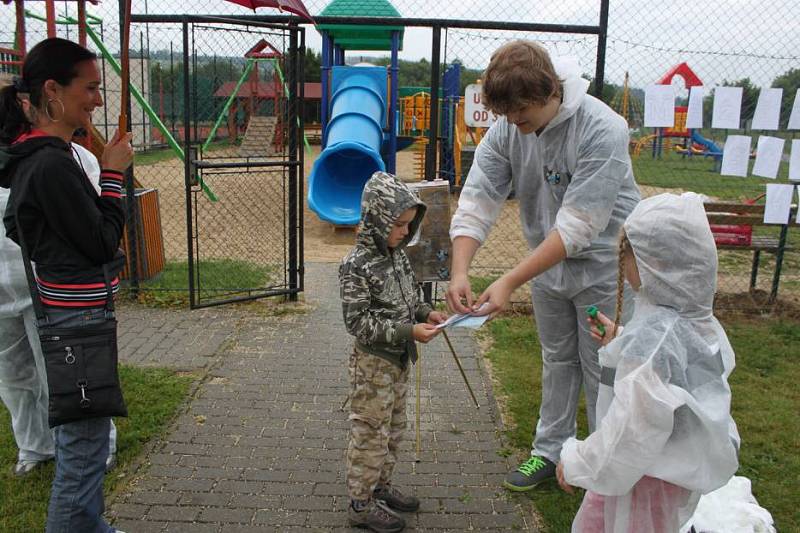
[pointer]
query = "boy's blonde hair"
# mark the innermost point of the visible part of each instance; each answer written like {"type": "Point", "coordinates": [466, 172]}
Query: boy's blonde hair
{"type": "Point", "coordinates": [519, 74]}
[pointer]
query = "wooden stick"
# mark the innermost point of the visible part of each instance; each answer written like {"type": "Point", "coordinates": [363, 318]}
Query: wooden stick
{"type": "Point", "coordinates": [460, 368]}
{"type": "Point", "coordinates": [125, 67]}
{"type": "Point", "coordinates": [418, 379]}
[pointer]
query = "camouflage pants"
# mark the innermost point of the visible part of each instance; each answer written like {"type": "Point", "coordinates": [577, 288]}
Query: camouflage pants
{"type": "Point", "coordinates": [377, 421]}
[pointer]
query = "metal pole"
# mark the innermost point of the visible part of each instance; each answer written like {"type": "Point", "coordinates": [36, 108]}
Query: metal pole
{"type": "Point", "coordinates": [776, 278]}
{"type": "Point", "coordinates": [50, 10]}
{"type": "Point", "coordinates": [187, 163]}
{"type": "Point", "coordinates": [324, 82]}
{"type": "Point", "coordinates": [172, 86]}
{"type": "Point", "coordinates": [82, 22]}
{"type": "Point", "coordinates": [293, 126]}
{"type": "Point", "coordinates": [391, 159]}
{"type": "Point", "coordinates": [130, 190]}
{"type": "Point", "coordinates": [301, 83]}
{"type": "Point", "coordinates": [433, 134]}
{"type": "Point", "coordinates": [602, 37]}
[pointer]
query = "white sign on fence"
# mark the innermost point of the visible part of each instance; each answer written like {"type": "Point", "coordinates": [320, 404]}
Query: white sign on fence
{"type": "Point", "coordinates": [475, 115]}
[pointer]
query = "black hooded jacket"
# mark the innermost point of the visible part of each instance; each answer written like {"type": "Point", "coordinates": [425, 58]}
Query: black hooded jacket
{"type": "Point", "coordinates": [70, 232]}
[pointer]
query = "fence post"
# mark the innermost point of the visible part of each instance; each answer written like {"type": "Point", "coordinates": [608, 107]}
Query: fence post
{"type": "Point", "coordinates": [602, 37]}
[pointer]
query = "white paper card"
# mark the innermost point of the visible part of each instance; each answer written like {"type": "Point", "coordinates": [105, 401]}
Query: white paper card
{"type": "Point", "coordinates": [694, 115]}
{"type": "Point", "coordinates": [736, 156]}
{"type": "Point", "coordinates": [779, 202]}
{"type": "Point", "coordinates": [467, 320]}
{"type": "Point", "coordinates": [659, 106]}
{"type": "Point", "coordinates": [794, 161]}
{"type": "Point", "coordinates": [727, 108]}
{"type": "Point", "coordinates": [768, 156]}
{"type": "Point", "coordinates": [768, 110]}
{"type": "Point", "coordinates": [794, 118]}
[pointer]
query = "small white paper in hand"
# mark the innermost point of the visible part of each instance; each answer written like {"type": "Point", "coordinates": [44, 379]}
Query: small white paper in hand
{"type": "Point", "coordinates": [768, 156]}
{"type": "Point", "coordinates": [694, 114]}
{"type": "Point", "coordinates": [736, 155]}
{"type": "Point", "coordinates": [727, 108]}
{"type": "Point", "coordinates": [466, 320]}
{"type": "Point", "coordinates": [768, 110]}
{"type": "Point", "coordinates": [659, 106]}
{"type": "Point", "coordinates": [779, 203]}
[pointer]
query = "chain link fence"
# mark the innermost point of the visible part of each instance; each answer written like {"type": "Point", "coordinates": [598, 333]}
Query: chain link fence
{"type": "Point", "coordinates": [729, 43]}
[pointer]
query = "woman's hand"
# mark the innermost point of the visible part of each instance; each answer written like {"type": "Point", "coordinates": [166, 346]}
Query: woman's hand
{"type": "Point", "coordinates": [436, 317]}
{"type": "Point", "coordinates": [607, 324]}
{"type": "Point", "coordinates": [118, 153]}
{"type": "Point", "coordinates": [459, 295]}
{"type": "Point", "coordinates": [566, 487]}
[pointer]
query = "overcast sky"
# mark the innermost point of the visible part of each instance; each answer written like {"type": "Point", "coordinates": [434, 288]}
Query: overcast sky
{"type": "Point", "coordinates": [725, 39]}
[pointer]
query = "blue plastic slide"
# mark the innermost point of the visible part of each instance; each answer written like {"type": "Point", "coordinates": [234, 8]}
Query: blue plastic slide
{"type": "Point", "coordinates": [712, 149]}
{"type": "Point", "coordinates": [353, 150]}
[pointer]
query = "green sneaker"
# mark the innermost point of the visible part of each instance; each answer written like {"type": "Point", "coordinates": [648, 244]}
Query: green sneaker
{"type": "Point", "coordinates": [530, 474]}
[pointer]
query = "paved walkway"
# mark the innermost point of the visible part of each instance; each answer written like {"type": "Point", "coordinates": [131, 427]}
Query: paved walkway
{"type": "Point", "coordinates": [261, 446]}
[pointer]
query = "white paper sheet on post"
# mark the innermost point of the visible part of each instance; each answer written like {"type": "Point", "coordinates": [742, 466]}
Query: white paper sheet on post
{"type": "Point", "coordinates": [768, 110]}
{"type": "Point", "coordinates": [779, 202]}
{"type": "Point", "coordinates": [794, 161]}
{"type": "Point", "coordinates": [769, 152]}
{"type": "Point", "coordinates": [727, 108]}
{"type": "Point", "coordinates": [694, 114]}
{"type": "Point", "coordinates": [659, 106]}
{"type": "Point", "coordinates": [736, 156]}
{"type": "Point", "coordinates": [794, 118]}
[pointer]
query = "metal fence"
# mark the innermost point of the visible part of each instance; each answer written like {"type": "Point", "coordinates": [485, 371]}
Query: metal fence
{"type": "Point", "coordinates": [729, 43]}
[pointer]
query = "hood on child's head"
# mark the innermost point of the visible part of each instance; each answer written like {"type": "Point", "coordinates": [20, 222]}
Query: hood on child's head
{"type": "Point", "coordinates": [384, 199]}
{"type": "Point", "coordinates": [675, 252]}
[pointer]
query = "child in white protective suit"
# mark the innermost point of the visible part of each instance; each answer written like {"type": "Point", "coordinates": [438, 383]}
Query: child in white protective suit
{"type": "Point", "coordinates": [664, 434]}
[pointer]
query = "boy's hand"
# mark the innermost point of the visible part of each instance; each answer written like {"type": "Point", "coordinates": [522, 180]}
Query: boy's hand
{"type": "Point", "coordinates": [436, 317]}
{"type": "Point", "coordinates": [607, 323]}
{"type": "Point", "coordinates": [424, 332]}
{"type": "Point", "coordinates": [561, 481]}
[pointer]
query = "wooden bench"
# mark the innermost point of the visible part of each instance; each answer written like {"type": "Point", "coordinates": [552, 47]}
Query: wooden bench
{"type": "Point", "coordinates": [731, 214]}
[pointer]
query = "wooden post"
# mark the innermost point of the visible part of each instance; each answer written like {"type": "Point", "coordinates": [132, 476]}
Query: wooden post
{"type": "Point", "coordinates": [82, 22]}
{"type": "Point", "coordinates": [50, 9]}
{"type": "Point", "coordinates": [21, 45]}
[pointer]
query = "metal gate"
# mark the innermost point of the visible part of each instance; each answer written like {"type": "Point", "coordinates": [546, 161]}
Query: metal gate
{"type": "Point", "coordinates": [241, 130]}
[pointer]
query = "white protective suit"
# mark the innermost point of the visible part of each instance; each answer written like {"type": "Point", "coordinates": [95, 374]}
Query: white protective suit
{"type": "Point", "coordinates": [665, 434]}
{"type": "Point", "coordinates": [574, 178]}
{"type": "Point", "coordinates": [23, 382]}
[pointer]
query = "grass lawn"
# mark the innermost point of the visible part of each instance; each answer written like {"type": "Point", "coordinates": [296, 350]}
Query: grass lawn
{"type": "Point", "coordinates": [152, 395]}
{"type": "Point", "coordinates": [216, 278]}
{"type": "Point", "coordinates": [766, 401]}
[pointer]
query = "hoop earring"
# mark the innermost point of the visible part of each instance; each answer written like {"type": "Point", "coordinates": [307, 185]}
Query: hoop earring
{"type": "Point", "coordinates": [47, 109]}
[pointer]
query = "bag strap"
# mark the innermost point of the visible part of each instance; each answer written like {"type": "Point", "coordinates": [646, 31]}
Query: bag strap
{"type": "Point", "coordinates": [41, 317]}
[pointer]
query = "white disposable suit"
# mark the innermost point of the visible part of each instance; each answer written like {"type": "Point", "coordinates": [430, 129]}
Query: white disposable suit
{"type": "Point", "coordinates": [574, 177]}
{"type": "Point", "coordinates": [665, 434]}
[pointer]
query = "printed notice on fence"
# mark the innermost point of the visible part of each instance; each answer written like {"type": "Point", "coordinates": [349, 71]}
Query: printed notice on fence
{"type": "Point", "coordinates": [736, 156]}
{"type": "Point", "coordinates": [694, 115]}
{"type": "Point", "coordinates": [779, 202]}
{"type": "Point", "coordinates": [768, 156]}
{"type": "Point", "coordinates": [768, 110]}
{"type": "Point", "coordinates": [727, 108]}
{"type": "Point", "coordinates": [659, 106]}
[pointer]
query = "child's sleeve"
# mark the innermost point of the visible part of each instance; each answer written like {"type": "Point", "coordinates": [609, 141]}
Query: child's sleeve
{"type": "Point", "coordinates": [363, 323]}
{"type": "Point", "coordinates": [423, 308]}
{"type": "Point", "coordinates": [602, 164]}
{"type": "Point", "coordinates": [627, 441]}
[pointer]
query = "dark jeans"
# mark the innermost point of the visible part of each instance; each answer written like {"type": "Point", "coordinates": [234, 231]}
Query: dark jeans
{"type": "Point", "coordinates": [76, 498]}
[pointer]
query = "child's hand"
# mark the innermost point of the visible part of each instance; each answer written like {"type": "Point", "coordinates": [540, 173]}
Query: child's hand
{"type": "Point", "coordinates": [424, 332]}
{"type": "Point", "coordinates": [436, 317]}
{"type": "Point", "coordinates": [561, 481]}
{"type": "Point", "coordinates": [607, 323]}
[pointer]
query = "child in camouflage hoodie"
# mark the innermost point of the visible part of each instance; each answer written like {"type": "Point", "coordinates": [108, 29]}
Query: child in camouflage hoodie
{"type": "Point", "coordinates": [382, 309]}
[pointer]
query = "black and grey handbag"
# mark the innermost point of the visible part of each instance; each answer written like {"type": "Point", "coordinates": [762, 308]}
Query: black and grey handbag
{"type": "Point", "coordinates": [81, 361]}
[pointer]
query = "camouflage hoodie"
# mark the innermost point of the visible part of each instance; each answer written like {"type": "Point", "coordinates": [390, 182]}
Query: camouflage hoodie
{"type": "Point", "coordinates": [380, 297]}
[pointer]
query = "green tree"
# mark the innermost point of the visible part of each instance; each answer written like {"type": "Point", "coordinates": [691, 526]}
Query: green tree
{"type": "Point", "coordinates": [789, 81]}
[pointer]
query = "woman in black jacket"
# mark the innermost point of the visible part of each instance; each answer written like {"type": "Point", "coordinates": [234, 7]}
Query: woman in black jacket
{"type": "Point", "coordinates": [70, 234]}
